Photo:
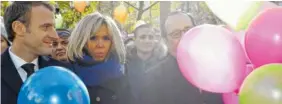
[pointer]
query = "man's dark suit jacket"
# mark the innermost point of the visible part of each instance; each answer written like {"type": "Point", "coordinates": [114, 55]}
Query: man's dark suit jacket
{"type": "Point", "coordinates": [11, 81]}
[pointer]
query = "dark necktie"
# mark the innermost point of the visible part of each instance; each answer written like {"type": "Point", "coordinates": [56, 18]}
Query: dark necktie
{"type": "Point", "coordinates": [29, 68]}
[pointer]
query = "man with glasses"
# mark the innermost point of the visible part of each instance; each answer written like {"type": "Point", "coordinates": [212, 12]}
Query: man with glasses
{"type": "Point", "coordinates": [176, 24]}
{"type": "Point", "coordinates": [60, 45]}
{"type": "Point", "coordinates": [168, 86]}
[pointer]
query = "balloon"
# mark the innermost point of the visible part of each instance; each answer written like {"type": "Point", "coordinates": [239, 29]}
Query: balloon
{"type": "Point", "coordinates": [249, 69]}
{"type": "Point", "coordinates": [230, 98]}
{"type": "Point", "coordinates": [227, 27]}
{"type": "Point", "coordinates": [242, 11]}
{"type": "Point", "coordinates": [120, 14]}
{"type": "Point", "coordinates": [80, 5]}
{"type": "Point", "coordinates": [267, 5]}
{"type": "Point", "coordinates": [211, 58]}
{"type": "Point", "coordinates": [59, 21]}
{"type": "Point", "coordinates": [53, 85]}
{"type": "Point", "coordinates": [241, 37]}
{"type": "Point", "coordinates": [263, 86]}
{"type": "Point", "coordinates": [264, 38]}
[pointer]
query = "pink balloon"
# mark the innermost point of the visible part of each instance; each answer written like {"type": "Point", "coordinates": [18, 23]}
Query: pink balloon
{"type": "Point", "coordinates": [227, 27]}
{"type": "Point", "coordinates": [249, 69]}
{"type": "Point", "coordinates": [230, 98]}
{"type": "Point", "coordinates": [267, 5]}
{"type": "Point", "coordinates": [241, 37]}
{"type": "Point", "coordinates": [212, 59]}
{"type": "Point", "coordinates": [264, 38]}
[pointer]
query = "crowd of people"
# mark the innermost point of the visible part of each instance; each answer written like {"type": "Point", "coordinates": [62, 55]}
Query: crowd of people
{"type": "Point", "coordinates": [144, 71]}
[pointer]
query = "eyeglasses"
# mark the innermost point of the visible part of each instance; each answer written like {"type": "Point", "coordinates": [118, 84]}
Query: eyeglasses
{"type": "Point", "coordinates": [179, 33]}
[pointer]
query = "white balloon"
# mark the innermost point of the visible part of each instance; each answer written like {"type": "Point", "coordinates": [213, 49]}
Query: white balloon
{"type": "Point", "coordinates": [230, 11]}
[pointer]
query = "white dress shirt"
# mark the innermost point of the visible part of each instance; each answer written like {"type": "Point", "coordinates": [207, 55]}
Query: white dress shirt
{"type": "Point", "coordinates": [18, 62]}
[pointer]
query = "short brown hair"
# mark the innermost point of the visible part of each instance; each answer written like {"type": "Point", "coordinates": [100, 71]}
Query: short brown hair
{"type": "Point", "coordinates": [142, 26]}
{"type": "Point", "coordinates": [20, 11]}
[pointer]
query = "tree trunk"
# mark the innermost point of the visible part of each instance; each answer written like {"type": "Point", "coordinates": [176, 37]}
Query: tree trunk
{"type": "Point", "coordinates": [186, 6]}
{"type": "Point", "coordinates": [112, 8]}
{"type": "Point", "coordinates": [150, 14]}
{"type": "Point", "coordinates": [164, 10]}
{"type": "Point", "coordinates": [99, 6]}
{"type": "Point", "coordinates": [140, 10]}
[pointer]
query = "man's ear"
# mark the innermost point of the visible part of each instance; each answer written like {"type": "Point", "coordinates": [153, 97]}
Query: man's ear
{"type": "Point", "coordinates": [19, 28]}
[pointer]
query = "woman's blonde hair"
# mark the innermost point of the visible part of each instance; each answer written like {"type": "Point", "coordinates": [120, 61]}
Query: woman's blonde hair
{"type": "Point", "coordinates": [86, 28]}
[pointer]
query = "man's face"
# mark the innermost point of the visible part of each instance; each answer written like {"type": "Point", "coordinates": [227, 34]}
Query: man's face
{"type": "Point", "coordinates": [145, 40]}
{"type": "Point", "coordinates": [59, 50]}
{"type": "Point", "coordinates": [40, 33]}
{"type": "Point", "coordinates": [176, 26]}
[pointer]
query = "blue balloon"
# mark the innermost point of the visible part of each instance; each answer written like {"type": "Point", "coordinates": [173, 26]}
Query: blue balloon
{"type": "Point", "coordinates": [53, 85]}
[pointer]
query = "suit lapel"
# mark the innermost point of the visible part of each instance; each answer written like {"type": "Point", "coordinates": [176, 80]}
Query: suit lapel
{"type": "Point", "coordinates": [9, 73]}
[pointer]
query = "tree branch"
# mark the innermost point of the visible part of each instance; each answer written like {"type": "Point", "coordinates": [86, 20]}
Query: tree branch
{"type": "Point", "coordinates": [130, 5]}
{"type": "Point", "coordinates": [99, 6]}
{"type": "Point", "coordinates": [151, 6]}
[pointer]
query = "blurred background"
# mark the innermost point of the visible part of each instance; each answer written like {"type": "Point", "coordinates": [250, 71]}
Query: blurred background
{"type": "Point", "coordinates": [153, 12]}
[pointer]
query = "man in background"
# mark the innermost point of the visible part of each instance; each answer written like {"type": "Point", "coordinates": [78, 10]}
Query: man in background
{"type": "Point", "coordinates": [144, 53]}
{"type": "Point", "coordinates": [4, 37]}
{"type": "Point", "coordinates": [168, 85]}
{"type": "Point", "coordinates": [60, 46]}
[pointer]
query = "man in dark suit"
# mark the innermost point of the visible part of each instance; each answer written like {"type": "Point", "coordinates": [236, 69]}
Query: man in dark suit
{"type": "Point", "coordinates": [30, 27]}
{"type": "Point", "coordinates": [167, 85]}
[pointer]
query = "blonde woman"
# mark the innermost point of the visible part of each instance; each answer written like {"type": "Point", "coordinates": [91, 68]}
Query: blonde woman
{"type": "Point", "coordinates": [4, 37]}
{"type": "Point", "coordinates": [97, 53]}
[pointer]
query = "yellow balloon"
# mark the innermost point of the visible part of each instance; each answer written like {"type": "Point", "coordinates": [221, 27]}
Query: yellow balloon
{"type": "Point", "coordinates": [80, 5]}
{"type": "Point", "coordinates": [120, 13]}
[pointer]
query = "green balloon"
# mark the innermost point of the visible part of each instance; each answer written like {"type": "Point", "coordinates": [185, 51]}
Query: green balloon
{"type": "Point", "coordinates": [249, 15]}
{"type": "Point", "coordinates": [59, 21]}
{"type": "Point", "coordinates": [263, 86]}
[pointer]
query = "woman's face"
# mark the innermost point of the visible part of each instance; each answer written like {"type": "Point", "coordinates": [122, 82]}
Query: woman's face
{"type": "Point", "coordinates": [100, 44]}
{"type": "Point", "coordinates": [4, 44]}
